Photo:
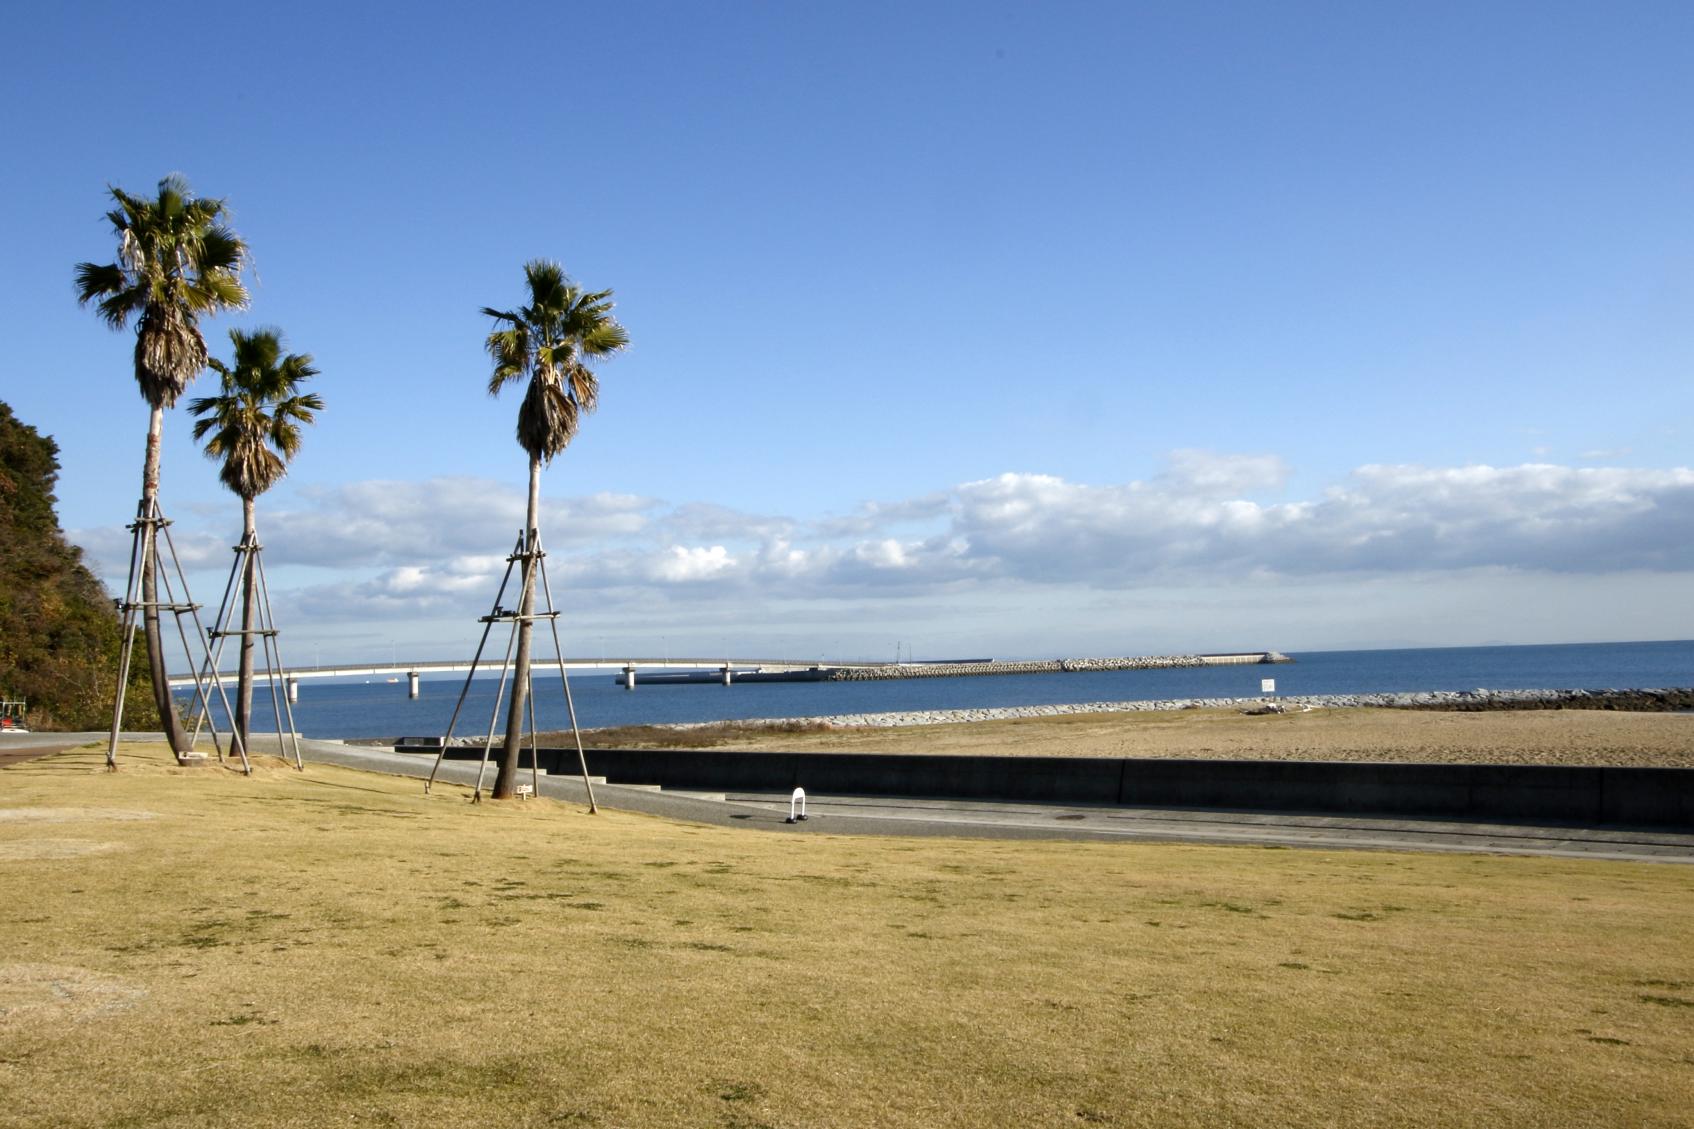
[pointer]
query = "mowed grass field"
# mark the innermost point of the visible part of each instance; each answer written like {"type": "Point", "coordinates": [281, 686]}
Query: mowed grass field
{"type": "Point", "coordinates": [193, 948]}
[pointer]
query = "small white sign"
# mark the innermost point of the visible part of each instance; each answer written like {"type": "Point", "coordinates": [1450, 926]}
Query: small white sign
{"type": "Point", "coordinates": [1267, 685]}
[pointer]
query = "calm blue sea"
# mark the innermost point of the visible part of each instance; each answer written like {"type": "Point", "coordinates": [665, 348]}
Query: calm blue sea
{"type": "Point", "coordinates": [381, 709]}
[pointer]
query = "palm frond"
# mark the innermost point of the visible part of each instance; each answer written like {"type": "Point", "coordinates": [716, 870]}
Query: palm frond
{"type": "Point", "coordinates": [94, 280]}
{"type": "Point", "coordinates": [174, 194]}
{"type": "Point", "coordinates": [604, 339]}
{"type": "Point", "coordinates": [509, 349]}
{"type": "Point", "coordinates": [215, 291]}
{"type": "Point", "coordinates": [584, 388]}
{"type": "Point", "coordinates": [221, 250]}
{"type": "Point", "coordinates": [119, 298]}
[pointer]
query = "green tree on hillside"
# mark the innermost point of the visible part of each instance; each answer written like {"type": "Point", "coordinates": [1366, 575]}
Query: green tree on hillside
{"type": "Point", "coordinates": [253, 425]}
{"type": "Point", "coordinates": [548, 342]}
{"type": "Point", "coordinates": [177, 260]}
{"type": "Point", "coordinates": [59, 633]}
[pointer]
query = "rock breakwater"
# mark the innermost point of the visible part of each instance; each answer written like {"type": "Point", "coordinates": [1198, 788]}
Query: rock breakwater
{"type": "Point", "coordinates": [1653, 700]}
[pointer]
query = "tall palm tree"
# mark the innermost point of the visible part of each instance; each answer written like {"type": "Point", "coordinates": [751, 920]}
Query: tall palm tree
{"type": "Point", "coordinates": [253, 425]}
{"type": "Point", "coordinates": [177, 260]}
{"type": "Point", "coordinates": [549, 342]}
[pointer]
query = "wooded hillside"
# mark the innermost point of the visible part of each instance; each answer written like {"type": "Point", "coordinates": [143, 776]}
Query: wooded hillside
{"type": "Point", "coordinates": [59, 630]}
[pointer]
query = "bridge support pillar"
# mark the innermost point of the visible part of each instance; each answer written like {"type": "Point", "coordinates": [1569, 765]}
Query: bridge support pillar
{"type": "Point", "coordinates": [629, 677]}
{"type": "Point", "coordinates": [411, 684]}
{"type": "Point", "coordinates": [728, 675]}
{"type": "Point", "coordinates": [294, 689]}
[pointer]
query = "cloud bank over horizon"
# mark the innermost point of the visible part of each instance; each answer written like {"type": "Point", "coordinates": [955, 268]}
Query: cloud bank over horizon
{"type": "Point", "coordinates": [1020, 543]}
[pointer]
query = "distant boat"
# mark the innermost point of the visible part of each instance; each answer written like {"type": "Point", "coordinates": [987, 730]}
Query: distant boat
{"type": "Point", "coordinates": [394, 680]}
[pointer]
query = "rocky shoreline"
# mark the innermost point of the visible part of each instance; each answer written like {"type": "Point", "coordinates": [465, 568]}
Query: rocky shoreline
{"type": "Point", "coordinates": [1645, 700]}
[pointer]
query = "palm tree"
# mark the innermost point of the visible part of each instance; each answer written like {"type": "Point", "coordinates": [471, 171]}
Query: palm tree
{"type": "Point", "coordinates": [253, 425]}
{"type": "Point", "coordinates": [177, 260]}
{"type": "Point", "coordinates": [549, 341]}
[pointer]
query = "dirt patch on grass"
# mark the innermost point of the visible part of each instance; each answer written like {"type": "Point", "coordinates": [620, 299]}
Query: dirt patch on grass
{"type": "Point", "coordinates": [34, 850]}
{"type": "Point", "coordinates": [70, 815]}
{"type": "Point", "coordinates": [37, 993]}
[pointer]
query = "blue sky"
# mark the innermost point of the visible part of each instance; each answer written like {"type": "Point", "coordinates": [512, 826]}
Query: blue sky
{"type": "Point", "coordinates": [999, 329]}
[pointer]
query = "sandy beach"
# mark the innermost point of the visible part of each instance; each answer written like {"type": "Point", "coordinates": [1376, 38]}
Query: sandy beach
{"type": "Point", "coordinates": [1572, 737]}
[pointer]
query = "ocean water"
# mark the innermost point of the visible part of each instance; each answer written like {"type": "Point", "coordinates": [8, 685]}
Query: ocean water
{"type": "Point", "coordinates": [343, 708]}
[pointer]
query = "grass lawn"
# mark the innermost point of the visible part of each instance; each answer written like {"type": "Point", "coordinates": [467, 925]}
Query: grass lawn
{"type": "Point", "coordinates": [190, 947]}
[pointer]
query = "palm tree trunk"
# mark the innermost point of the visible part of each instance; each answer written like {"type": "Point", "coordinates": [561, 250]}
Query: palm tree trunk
{"type": "Point", "coordinates": [505, 782]}
{"type": "Point", "coordinates": [168, 719]}
{"type": "Point", "coordinates": [249, 603]}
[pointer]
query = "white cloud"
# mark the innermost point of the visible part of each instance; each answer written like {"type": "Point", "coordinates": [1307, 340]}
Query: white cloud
{"type": "Point", "coordinates": [389, 550]}
{"type": "Point", "coordinates": [392, 523]}
{"type": "Point", "coordinates": [108, 547]}
{"type": "Point", "coordinates": [1211, 475]}
{"type": "Point", "coordinates": [679, 565]}
{"type": "Point", "coordinates": [872, 517]}
{"type": "Point", "coordinates": [704, 521]}
{"type": "Point", "coordinates": [374, 522]}
{"type": "Point", "coordinates": [1385, 518]}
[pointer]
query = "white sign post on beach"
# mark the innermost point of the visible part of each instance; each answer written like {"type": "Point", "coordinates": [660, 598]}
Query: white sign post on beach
{"type": "Point", "coordinates": [1267, 685]}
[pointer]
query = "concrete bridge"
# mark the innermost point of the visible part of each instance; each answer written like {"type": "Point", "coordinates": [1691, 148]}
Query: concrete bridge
{"type": "Point", "coordinates": [628, 668]}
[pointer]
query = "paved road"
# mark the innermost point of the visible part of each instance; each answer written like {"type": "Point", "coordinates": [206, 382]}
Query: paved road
{"type": "Point", "coordinates": [17, 747]}
{"type": "Point", "coordinates": [881, 815]}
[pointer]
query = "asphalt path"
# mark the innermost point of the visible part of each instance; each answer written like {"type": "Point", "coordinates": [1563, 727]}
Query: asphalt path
{"type": "Point", "coordinates": [884, 815]}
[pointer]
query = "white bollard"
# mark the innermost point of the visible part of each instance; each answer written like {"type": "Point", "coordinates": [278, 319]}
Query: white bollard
{"type": "Point", "coordinates": [293, 689]}
{"type": "Point", "coordinates": [728, 675]}
{"type": "Point", "coordinates": [629, 677]}
{"type": "Point", "coordinates": [411, 684]}
{"type": "Point", "coordinates": [798, 798]}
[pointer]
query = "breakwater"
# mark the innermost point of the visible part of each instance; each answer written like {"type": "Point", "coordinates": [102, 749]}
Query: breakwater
{"type": "Point", "coordinates": [1046, 666]}
{"type": "Point", "coordinates": [1649, 700]}
{"type": "Point", "coordinates": [970, 668]}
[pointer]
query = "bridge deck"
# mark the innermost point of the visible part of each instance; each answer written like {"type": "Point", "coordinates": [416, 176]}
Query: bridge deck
{"type": "Point", "coordinates": [368, 670]}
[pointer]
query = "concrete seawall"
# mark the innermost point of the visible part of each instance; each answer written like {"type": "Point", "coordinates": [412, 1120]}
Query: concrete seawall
{"type": "Point", "coordinates": [1641, 797]}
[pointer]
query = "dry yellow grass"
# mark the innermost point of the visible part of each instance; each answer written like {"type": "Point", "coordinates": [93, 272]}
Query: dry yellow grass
{"type": "Point", "coordinates": [1595, 737]}
{"type": "Point", "coordinates": [336, 948]}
